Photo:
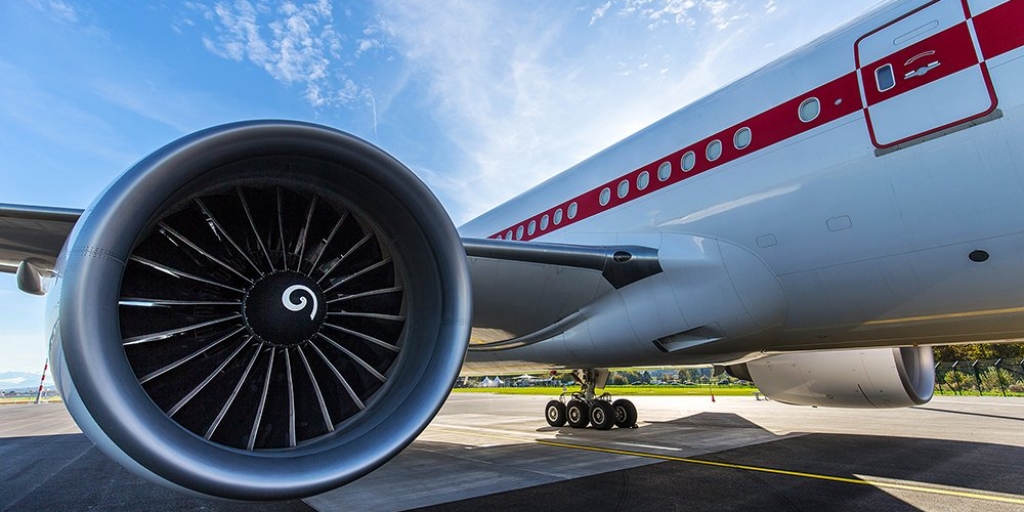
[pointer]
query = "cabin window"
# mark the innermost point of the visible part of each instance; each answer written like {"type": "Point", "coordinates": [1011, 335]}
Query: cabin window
{"type": "Point", "coordinates": [643, 180]}
{"type": "Point", "coordinates": [532, 228]}
{"type": "Point", "coordinates": [688, 161]}
{"type": "Point", "coordinates": [558, 216]}
{"type": "Point", "coordinates": [499, 237]}
{"type": "Point", "coordinates": [623, 189]}
{"type": "Point", "coordinates": [572, 210]}
{"type": "Point", "coordinates": [544, 222]}
{"type": "Point", "coordinates": [664, 171]}
{"type": "Point", "coordinates": [519, 233]}
{"type": "Point", "coordinates": [606, 195]}
{"type": "Point", "coordinates": [885, 78]}
{"type": "Point", "coordinates": [809, 110]}
{"type": "Point", "coordinates": [714, 150]}
{"type": "Point", "coordinates": [742, 138]}
{"type": "Point", "coordinates": [508, 236]}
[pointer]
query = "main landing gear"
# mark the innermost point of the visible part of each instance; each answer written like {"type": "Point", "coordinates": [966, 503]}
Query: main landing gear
{"type": "Point", "coordinates": [585, 407]}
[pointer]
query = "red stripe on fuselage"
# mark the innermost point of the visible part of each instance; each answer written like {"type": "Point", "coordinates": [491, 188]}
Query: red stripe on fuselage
{"type": "Point", "coordinates": [837, 99]}
{"type": "Point", "coordinates": [998, 30]}
{"type": "Point", "coordinates": [1001, 28]}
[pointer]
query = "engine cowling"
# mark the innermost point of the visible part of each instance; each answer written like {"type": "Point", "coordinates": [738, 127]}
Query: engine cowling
{"type": "Point", "coordinates": [880, 377]}
{"type": "Point", "coordinates": [260, 311]}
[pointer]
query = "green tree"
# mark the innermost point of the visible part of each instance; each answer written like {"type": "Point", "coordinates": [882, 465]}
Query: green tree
{"type": "Point", "coordinates": [994, 380]}
{"type": "Point", "coordinates": [976, 351]}
{"type": "Point", "coordinates": [959, 381]}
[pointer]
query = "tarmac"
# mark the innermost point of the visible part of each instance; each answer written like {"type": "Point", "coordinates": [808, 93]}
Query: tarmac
{"type": "Point", "coordinates": [490, 453]}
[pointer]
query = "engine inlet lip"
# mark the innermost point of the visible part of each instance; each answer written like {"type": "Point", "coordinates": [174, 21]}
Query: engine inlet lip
{"type": "Point", "coordinates": [123, 421]}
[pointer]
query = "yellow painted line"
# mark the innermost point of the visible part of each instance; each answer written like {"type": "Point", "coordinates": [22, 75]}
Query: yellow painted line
{"type": "Point", "coordinates": [888, 485]}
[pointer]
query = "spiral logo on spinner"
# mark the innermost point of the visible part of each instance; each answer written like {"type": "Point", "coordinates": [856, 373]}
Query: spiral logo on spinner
{"type": "Point", "coordinates": [286, 299]}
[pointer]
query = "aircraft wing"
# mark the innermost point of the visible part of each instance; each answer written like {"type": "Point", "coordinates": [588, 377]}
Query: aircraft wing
{"type": "Point", "coordinates": [34, 234]}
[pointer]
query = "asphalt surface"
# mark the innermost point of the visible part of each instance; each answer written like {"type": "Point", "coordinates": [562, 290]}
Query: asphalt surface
{"type": "Point", "coordinates": [495, 453]}
{"type": "Point", "coordinates": [671, 486]}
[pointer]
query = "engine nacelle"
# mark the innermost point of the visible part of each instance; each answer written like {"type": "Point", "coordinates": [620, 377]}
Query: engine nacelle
{"type": "Point", "coordinates": [260, 311]}
{"type": "Point", "coordinates": [880, 377]}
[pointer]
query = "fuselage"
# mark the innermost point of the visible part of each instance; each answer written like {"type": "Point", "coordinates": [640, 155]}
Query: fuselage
{"type": "Point", "coordinates": [877, 173]}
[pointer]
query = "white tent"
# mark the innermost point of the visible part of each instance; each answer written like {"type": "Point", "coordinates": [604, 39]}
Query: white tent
{"type": "Point", "coordinates": [487, 383]}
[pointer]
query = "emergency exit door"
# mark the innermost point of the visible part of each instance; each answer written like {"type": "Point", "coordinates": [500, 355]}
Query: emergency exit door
{"type": "Point", "coordinates": [922, 74]}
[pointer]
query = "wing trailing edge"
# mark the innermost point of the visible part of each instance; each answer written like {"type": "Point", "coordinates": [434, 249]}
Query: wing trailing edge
{"type": "Point", "coordinates": [33, 234]}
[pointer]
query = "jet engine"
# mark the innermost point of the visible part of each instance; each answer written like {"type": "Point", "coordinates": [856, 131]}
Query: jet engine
{"type": "Point", "coordinates": [260, 311]}
{"type": "Point", "coordinates": [878, 377]}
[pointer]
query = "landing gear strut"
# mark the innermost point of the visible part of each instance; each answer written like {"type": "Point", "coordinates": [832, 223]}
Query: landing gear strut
{"type": "Point", "coordinates": [586, 407]}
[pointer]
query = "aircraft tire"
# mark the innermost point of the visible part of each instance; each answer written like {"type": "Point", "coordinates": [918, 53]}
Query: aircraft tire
{"type": "Point", "coordinates": [554, 413]}
{"type": "Point", "coordinates": [577, 413]}
{"type": "Point", "coordinates": [602, 415]}
{"type": "Point", "coordinates": [625, 413]}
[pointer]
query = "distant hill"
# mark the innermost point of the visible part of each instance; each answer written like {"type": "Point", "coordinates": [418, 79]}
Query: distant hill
{"type": "Point", "coordinates": [11, 381]}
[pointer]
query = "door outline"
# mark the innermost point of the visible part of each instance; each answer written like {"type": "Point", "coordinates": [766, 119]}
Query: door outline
{"type": "Point", "coordinates": [993, 101]}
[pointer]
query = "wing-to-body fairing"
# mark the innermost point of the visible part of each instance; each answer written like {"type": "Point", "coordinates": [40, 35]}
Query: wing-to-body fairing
{"type": "Point", "coordinates": [270, 309]}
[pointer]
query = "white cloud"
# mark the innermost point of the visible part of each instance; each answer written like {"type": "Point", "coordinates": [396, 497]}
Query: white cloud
{"type": "Point", "coordinates": [294, 43]}
{"type": "Point", "coordinates": [50, 116]}
{"type": "Point", "coordinates": [600, 12]}
{"type": "Point", "coordinates": [376, 35]}
{"type": "Point", "coordinates": [720, 13]}
{"type": "Point", "coordinates": [80, 19]}
{"type": "Point", "coordinates": [690, 13]}
{"type": "Point", "coordinates": [527, 92]}
{"type": "Point", "coordinates": [678, 11]}
{"type": "Point", "coordinates": [524, 90]}
{"type": "Point", "coordinates": [185, 110]}
{"type": "Point", "coordinates": [63, 11]}
{"type": "Point", "coordinates": [495, 93]}
{"type": "Point", "coordinates": [530, 89]}
{"type": "Point", "coordinates": [57, 9]}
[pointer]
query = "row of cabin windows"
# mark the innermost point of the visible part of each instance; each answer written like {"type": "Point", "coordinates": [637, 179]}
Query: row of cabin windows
{"type": "Point", "coordinates": [545, 221]}
{"type": "Point", "coordinates": [807, 111]}
{"type": "Point", "coordinates": [741, 140]}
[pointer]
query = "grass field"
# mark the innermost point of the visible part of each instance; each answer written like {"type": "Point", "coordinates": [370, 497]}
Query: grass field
{"type": "Point", "coordinates": [623, 391]}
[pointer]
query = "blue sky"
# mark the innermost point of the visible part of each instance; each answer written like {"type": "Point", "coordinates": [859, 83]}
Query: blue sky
{"type": "Point", "coordinates": [481, 99]}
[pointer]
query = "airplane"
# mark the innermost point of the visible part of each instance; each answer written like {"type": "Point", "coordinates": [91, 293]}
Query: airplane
{"type": "Point", "coordinates": [270, 309]}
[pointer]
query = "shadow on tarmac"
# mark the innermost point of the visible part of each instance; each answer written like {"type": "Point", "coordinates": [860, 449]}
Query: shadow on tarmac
{"type": "Point", "coordinates": [670, 486]}
{"type": "Point", "coordinates": [65, 472]}
{"type": "Point", "coordinates": [968, 413]}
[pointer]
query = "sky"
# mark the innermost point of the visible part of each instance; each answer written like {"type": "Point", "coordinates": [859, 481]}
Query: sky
{"type": "Point", "coordinates": [481, 99]}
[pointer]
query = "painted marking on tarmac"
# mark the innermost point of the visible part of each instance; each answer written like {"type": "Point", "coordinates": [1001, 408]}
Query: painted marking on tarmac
{"type": "Point", "coordinates": [482, 432]}
{"type": "Point", "coordinates": [1013, 499]}
{"type": "Point", "coordinates": [648, 446]}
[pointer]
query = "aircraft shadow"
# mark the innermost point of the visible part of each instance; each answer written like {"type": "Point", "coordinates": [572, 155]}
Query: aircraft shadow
{"type": "Point", "coordinates": [682, 485]}
{"type": "Point", "coordinates": [65, 472]}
